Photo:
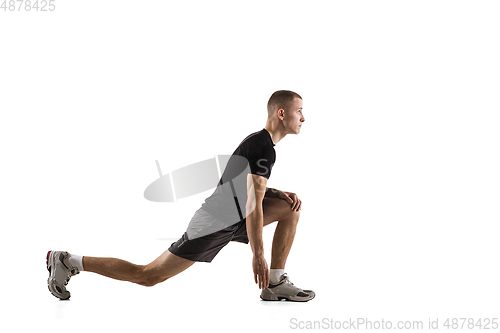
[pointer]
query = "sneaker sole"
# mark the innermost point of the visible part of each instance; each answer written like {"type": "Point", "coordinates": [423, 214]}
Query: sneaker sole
{"type": "Point", "coordinates": [274, 297]}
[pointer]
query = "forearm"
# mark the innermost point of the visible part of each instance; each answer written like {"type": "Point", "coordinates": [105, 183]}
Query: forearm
{"type": "Point", "coordinates": [255, 223]}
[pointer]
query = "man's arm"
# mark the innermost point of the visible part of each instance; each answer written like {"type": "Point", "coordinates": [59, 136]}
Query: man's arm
{"type": "Point", "coordinates": [256, 188]}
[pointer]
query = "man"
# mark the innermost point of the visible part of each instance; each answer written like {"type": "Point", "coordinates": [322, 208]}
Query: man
{"type": "Point", "coordinates": [237, 211]}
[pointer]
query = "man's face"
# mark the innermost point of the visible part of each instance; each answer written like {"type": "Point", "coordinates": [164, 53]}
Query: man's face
{"type": "Point", "coordinates": [293, 117]}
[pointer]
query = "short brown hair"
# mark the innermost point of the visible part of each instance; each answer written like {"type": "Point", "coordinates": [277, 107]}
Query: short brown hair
{"type": "Point", "coordinates": [281, 99]}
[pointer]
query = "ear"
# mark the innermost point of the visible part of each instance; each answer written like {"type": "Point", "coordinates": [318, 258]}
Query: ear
{"type": "Point", "coordinates": [281, 114]}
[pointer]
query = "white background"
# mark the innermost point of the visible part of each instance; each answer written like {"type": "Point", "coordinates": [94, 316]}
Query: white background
{"type": "Point", "coordinates": [397, 162]}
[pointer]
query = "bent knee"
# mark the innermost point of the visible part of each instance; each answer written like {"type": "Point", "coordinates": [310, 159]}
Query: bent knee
{"type": "Point", "coordinates": [286, 209]}
{"type": "Point", "coordinates": [292, 216]}
{"type": "Point", "coordinates": [149, 279]}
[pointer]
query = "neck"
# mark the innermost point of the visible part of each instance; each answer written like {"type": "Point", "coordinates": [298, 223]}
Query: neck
{"type": "Point", "coordinates": [277, 132]}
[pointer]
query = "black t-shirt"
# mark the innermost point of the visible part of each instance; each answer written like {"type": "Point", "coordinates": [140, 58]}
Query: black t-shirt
{"type": "Point", "coordinates": [255, 155]}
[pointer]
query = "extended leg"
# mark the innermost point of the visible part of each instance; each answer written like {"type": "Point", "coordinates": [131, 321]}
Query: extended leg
{"type": "Point", "coordinates": [161, 269]}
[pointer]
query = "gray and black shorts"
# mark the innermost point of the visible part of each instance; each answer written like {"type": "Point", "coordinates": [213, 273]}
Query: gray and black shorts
{"type": "Point", "coordinates": [205, 248]}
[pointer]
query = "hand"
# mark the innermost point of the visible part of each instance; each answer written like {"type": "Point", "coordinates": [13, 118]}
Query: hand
{"type": "Point", "coordinates": [292, 199]}
{"type": "Point", "coordinates": [260, 271]}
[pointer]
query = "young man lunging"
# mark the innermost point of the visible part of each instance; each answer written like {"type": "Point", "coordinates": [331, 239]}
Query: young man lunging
{"type": "Point", "coordinates": [239, 208]}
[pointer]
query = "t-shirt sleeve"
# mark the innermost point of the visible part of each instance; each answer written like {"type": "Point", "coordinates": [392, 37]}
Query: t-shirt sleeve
{"type": "Point", "coordinates": [262, 162]}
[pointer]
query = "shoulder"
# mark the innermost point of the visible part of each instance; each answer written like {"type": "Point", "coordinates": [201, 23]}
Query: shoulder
{"type": "Point", "coordinates": [262, 151]}
{"type": "Point", "coordinates": [261, 137]}
{"type": "Point", "coordinates": [266, 150]}
{"type": "Point", "coordinates": [257, 146]}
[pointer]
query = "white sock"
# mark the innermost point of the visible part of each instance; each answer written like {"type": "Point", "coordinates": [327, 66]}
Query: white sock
{"type": "Point", "coordinates": [76, 261]}
{"type": "Point", "coordinates": [275, 274]}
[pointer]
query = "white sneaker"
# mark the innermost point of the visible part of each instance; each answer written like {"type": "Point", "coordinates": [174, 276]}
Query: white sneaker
{"type": "Point", "coordinates": [285, 290]}
{"type": "Point", "coordinates": [59, 273]}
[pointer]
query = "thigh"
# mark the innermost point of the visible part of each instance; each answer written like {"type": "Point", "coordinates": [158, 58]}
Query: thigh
{"type": "Point", "coordinates": [275, 209]}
